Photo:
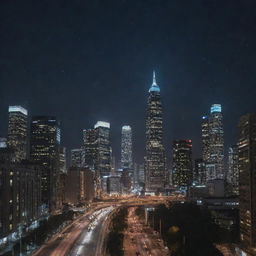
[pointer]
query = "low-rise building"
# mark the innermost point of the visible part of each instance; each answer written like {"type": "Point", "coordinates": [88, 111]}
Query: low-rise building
{"type": "Point", "coordinates": [79, 186]}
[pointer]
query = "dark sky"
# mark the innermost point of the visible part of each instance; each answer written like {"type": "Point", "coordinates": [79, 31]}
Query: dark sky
{"type": "Point", "coordinates": [85, 61]}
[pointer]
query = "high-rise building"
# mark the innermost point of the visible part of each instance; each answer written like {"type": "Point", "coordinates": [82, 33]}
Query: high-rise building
{"type": "Point", "coordinates": [126, 147]}
{"type": "Point", "coordinates": [103, 149]}
{"type": "Point", "coordinates": [199, 174]}
{"type": "Point", "coordinates": [213, 143]}
{"type": "Point", "coordinates": [18, 132]}
{"type": "Point", "coordinates": [233, 170]}
{"type": "Point", "coordinates": [63, 160]}
{"type": "Point", "coordinates": [77, 157]}
{"type": "Point", "coordinates": [44, 151]}
{"type": "Point", "coordinates": [139, 173]}
{"type": "Point", "coordinates": [247, 182]}
{"type": "Point", "coordinates": [90, 147]}
{"type": "Point", "coordinates": [182, 163]}
{"type": "Point", "coordinates": [98, 152]}
{"type": "Point", "coordinates": [155, 173]}
{"type": "Point", "coordinates": [205, 139]}
{"type": "Point", "coordinates": [113, 163]}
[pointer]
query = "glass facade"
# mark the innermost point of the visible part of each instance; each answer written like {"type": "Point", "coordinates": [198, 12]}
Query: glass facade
{"type": "Point", "coordinates": [233, 170]}
{"type": "Point", "coordinates": [44, 151]}
{"type": "Point", "coordinates": [155, 174]}
{"type": "Point", "coordinates": [18, 132]}
{"type": "Point", "coordinates": [182, 163]}
{"type": "Point", "coordinates": [126, 147]}
{"type": "Point", "coordinates": [213, 143]}
{"type": "Point", "coordinates": [247, 180]}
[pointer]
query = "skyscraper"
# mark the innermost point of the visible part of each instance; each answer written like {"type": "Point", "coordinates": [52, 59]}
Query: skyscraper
{"type": "Point", "coordinates": [77, 157]}
{"type": "Point", "coordinates": [44, 151]}
{"type": "Point", "coordinates": [199, 174]}
{"type": "Point", "coordinates": [205, 139]}
{"type": "Point", "coordinates": [103, 150]}
{"type": "Point", "coordinates": [233, 170]}
{"type": "Point", "coordinates": [213, 143]}
{"type": "Point", "coordinates": [155, 173]}
{"type": "Point", "coordinates": [98, 152]}
{"type": "Point", "coordinates": [126, 147]}
{"type": "Point", "coordinates": [182, 163]}
{"type": "Point", "coordinates": [247, 182]}
{"type": "Point", "coordinates": [90, 148]}
{"type": "Point", "coordinates": [63, 160]}
{"type": "Point", "coordinates": [18, 132]}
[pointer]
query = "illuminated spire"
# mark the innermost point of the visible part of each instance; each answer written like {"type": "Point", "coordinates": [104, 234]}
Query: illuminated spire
{"type": "Point", "coordinates": [154, 87]}
{"type": "Point", "coordinates": [154, 78]}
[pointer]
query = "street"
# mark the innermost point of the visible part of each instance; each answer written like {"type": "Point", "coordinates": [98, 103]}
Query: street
{"type": "Point", "coordinates": [91, 240]}
{"type": "Point", "coordinates": [140, 239]}
{"type": "Point", "coordinates": [86, 234]}
{"type": "Point", "coordinates": [86, 230]}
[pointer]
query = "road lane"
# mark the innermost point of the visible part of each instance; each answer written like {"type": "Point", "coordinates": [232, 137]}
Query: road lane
{"type": "Point", "coordinates": [141, 239]}
{"type": "Point", "coordinates": [91, 239]}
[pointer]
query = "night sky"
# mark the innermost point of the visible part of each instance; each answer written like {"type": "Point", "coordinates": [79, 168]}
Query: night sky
{"type": "Point", "coordinates": [85, 61]}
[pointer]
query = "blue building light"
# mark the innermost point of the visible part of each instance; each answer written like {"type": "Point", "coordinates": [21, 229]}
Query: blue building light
{"type": "Point", "coordinates": [215, 108]}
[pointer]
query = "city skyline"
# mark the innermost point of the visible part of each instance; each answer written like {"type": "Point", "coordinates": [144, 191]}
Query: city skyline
{"type": "Point", "coordinates": [90, 82]}
{"type": "Point", "coordinates": [198, 146]}
{"type": "Point", "coordinates": [127, 128]}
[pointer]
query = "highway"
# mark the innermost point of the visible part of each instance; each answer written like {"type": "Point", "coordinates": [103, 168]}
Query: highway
{"type": "Point", "coordinates": [79, 235]}
{"type": "Point", "coordinates": [91, 240]}
{"type": "Point", "coordinates": [86, 234]}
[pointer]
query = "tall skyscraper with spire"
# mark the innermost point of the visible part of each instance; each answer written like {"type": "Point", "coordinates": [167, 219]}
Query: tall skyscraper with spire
{"type": "Point", "coordinates": [155, 174]}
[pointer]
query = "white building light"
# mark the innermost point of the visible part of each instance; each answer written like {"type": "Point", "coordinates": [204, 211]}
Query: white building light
{"type": "Point", "coordinates": [102, 124]}
{"type": "Point", "coordinates": [18, 109]}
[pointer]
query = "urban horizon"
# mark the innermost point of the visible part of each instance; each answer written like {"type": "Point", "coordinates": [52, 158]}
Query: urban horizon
{"type": "Point", "coordinates": [128, 128]}
{"type": "Point", "coordinates": [116, 135]}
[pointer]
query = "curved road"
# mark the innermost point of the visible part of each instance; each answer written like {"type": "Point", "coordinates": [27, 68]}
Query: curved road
{"type": "Point", "coordinates": [83, 237]}
{"type": "Point", "coordinates": [91, 240]}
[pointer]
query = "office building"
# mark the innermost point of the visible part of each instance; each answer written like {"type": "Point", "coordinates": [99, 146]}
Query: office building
{"type": "Point", "coordinates": [205, 139]}
{"type": "Point", "coordinates": [114, 185]}
{"type": "Point", "coordinates": [233, 170]}
{"type": "Point", "coordinates": [18, 132]}
{"type": "Point", "coordinates": [20, 197]}
{"type": "Point", "coordinates": [98, 153]}
{"type": "Point", "coordinates": [79, 186]}
{"type": "Point", "coordinates": [44, 151]}
{"type": "Point", "coordinates": [78, 157]}
{"type": "Point", "coordinates": [103, 149]}
{"type": "Point", "coordinates": [247, 182]}
{"type": "Point", "coordinates": [90, 147]}
{"type": "Point", "coordinates": [155, 173]}
{"type": "Point", "coordinates": [213, 143]}
{"type": "Point", "coordinates": [63, 160]}
{"type": "Point", "coordinates": [199, 174]}
{"type": "Point", "coordinates": [126, 147]}
{"type": "Point", "coordinates": [182, 163]}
